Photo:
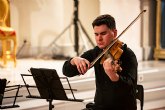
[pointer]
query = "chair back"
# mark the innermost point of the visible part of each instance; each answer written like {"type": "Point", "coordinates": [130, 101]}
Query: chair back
{"type": "Point", "coordinates": [140, 95]}
{"type": "Point", "coordinates": [4, 12]}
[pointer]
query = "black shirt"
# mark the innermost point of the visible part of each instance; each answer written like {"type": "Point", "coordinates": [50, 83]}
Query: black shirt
{"type": "Point", "coordinates": [109, 95]}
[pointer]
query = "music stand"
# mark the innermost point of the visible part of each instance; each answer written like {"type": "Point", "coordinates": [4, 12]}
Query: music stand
{"type": "Point", "coordinates": [49, 86]}
{"type": "Point", "coordinates": [3, 83]}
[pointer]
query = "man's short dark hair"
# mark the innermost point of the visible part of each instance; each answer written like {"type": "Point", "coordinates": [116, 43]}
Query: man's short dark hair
{"type": "Point", "coordinates": [105, 19]}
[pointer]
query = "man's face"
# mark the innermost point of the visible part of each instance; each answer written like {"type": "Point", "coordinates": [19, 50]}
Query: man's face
{"type": "Point", "coordinates": [104, 35]}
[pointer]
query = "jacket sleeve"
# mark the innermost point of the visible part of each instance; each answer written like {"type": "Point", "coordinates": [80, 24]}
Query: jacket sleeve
{"type": "Point", "coordinates": [69, 70]}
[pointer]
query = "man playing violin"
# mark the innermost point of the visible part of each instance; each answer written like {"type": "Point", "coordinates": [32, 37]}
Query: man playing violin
{"type": "Point", "coordinates": [115, 79]}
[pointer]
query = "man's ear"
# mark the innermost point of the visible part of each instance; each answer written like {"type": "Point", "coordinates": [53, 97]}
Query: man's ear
{"type": "Point", "coordinates": [115, 33]}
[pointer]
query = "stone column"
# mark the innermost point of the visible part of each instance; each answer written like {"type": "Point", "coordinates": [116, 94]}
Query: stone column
{"type": "Point", "coordinates": [148, 29]}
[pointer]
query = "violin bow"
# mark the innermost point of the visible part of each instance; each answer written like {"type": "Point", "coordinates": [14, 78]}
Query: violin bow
{"type": "Point", "coordinates": [113, 42]}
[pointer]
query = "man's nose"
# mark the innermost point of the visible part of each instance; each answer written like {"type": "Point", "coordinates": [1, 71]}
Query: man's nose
{"type": "Point", "coordinates": [100, 37]}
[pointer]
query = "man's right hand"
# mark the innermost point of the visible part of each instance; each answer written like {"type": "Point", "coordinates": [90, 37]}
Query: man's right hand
{"type": "Point", "coordinates": [82, 64]}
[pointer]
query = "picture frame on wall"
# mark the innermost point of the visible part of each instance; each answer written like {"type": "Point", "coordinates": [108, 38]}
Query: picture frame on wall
{"type": "Point", "coordinates": [159, 52]}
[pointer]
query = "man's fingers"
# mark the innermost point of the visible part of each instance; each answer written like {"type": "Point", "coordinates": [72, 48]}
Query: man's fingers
{"type": "Point", "coordinates": [83, 66]}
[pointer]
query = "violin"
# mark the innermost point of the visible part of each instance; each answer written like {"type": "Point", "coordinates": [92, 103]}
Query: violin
{"type": "Point", "coordinates": [114, 49]}
{"type": "Point", "coordinates": [114, 52]}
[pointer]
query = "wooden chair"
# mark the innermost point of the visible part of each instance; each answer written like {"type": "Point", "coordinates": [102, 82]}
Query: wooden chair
{"type": "Point", "coordinates": [7, 35]}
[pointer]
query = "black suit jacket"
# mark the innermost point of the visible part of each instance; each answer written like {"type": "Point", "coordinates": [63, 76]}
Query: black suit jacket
{"type": "Point", "coordinates": [111, 95]}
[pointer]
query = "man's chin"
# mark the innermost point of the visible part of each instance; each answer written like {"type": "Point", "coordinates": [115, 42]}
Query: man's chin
{"type": "Point", "coordinates": [101, 47]}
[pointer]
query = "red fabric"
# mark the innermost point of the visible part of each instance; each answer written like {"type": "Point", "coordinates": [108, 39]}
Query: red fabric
{"type": "Point", "coordinates": [7, 32]}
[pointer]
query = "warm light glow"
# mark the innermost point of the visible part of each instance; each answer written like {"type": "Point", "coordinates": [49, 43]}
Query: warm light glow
{"type": "Point", "coordinates": [8, 56]}
{"type": "Point", "coordinates": [7, 52]}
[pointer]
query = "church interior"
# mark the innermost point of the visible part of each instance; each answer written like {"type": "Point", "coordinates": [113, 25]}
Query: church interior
{"type": "Point", "coordinates": [43, 34]}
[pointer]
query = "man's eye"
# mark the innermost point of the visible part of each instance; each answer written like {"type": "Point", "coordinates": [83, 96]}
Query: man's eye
{"type": "Point", "coordinates": [104, 33]}
{"type": "Point", "coordinates": [96, 34]}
